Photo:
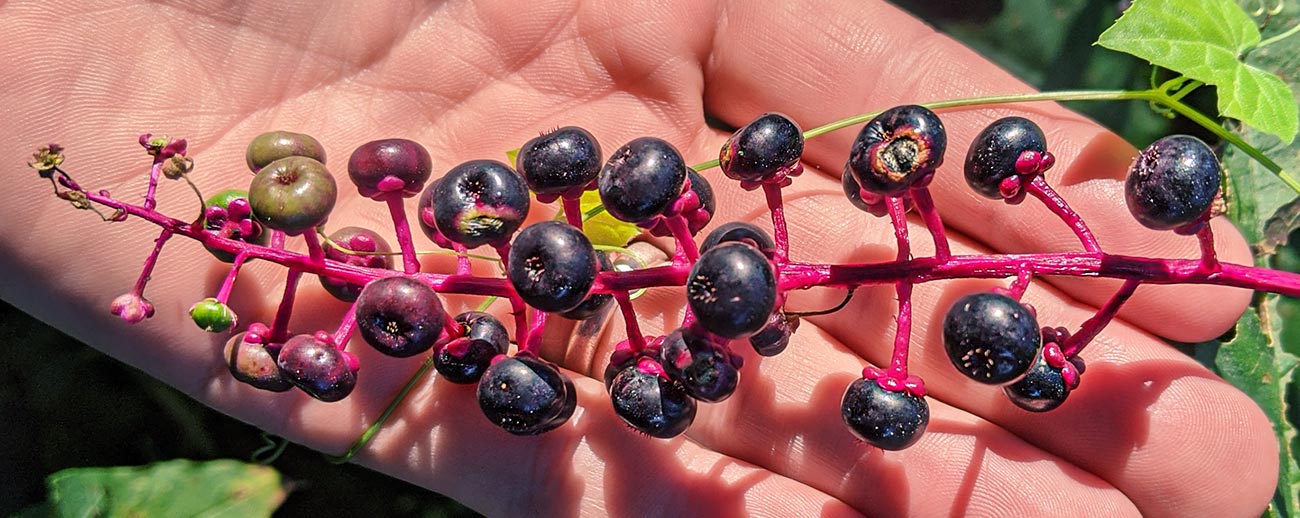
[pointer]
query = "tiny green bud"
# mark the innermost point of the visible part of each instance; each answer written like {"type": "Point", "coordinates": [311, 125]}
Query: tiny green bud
{"type": "Point", "coordinates": [213, 316]}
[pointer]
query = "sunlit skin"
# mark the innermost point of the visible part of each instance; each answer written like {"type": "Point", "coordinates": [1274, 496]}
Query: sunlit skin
{"type": "Point", "coordinates": [472, 80]}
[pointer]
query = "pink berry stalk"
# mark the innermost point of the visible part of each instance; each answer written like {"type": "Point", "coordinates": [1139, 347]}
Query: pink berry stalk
{"type": "Point", "coordinates": [572, 210]}
{"type": "Point", "coordinates": [1091, 327]}
{"type": "Point", "coordinates": [223, 294]}
{"type": "Point", "coordinates": [780, 232]}
{"type": "Point", "coordinates": [397, 209]}
{"type": "Point", "coordinates": [1039, 188]}
{"type": "Point", "coordinates": [347, 326]}
{"type": "Point", "coordinates": [1209, 258]}
{"type": "Point", "coordinates": [686, 252]}
{"type": "Point", "coordinates": [634, 337]}
{"type": "Point", "coordinates": [280, 326]}
{"type": "Point", "coordinates": [930, 215]}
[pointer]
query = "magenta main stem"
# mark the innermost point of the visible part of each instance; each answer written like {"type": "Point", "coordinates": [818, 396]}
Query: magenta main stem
{"type": "Point", "coordinates": [1091, 327]}
{"type": "Point", "coordinates": [929, 214]}
{"type": "Point", "coordinates": [572, 210]}
{"type": "Point", "coordinates": [397, 209]}
{"type": "Point", "coordinates": [1039, 188]}
{"type": "Point", "coordinates": [223, 295]}
{"type": "Point", "coordinates": [780, 232]}
{"type": "Point", "coordinates": [280, 327]}
{"type": "Point", "coordinates": [793, 275]}
{"type": "Point", "coordinates": [634, 336]}
{"type": "Point", "coordinates": [150, 261]}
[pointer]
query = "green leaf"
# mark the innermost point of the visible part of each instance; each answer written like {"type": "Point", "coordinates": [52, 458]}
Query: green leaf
{"type": "Point", "coordinates": [171, 488]}
{"type": "Point", "coordinates": [603, 229]}
{"type": "Point", "coordinates": [1257, 199]}
{"type": "Point", "coordinates": [1205, 40]}
{"type": "Point", "coordinates": [1255, 362]}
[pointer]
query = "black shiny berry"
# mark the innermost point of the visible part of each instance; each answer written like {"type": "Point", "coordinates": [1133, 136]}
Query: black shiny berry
{"type": "Point", "coordinates": [1041, 390]}
{"type": "Point", "coordinates": [739, 232]}
{"type": "Point", "coordinates": [525, 396]}
{"type": "Point", "coordinates": [732, 290]}
{"type": "Point", "coordinates": [293, 195]}
{"type": "Point", "coordinates": [641, 180]}
{"type": "Point", "coordinates": [900, 147]}
{"type": "Point", "coordinates": [993, 154]}
{"type": "Point", "coordinates": [758, 150]}
{"type": "Point", "coordinates": [464, 359]}
{"type": "Point", "coordinates": [371, 252]}
{"type": "Point", "coordinates": [320, 369]}
{"type": "Point", "coordinates": [552, 266]}
{"type": "Point", "coordinates": [480, 202]}
{"type": "Point", "coordinates": [775, 335]}
{"type": "Point", "coordinates": [399, 316]}
{"type": "Point", "coordinates": [274, 145]}
{"type": "Point", "coordinates": [991, 338]}
{"type": "Point", "coordinates": [700, 363]}
{"type": "Point", "coordinates": [1172, 182]}
{"type": "Point", "coordinates": [650, 403]}
{"type": "Point", "coordinates": [595, 302]}
{"type": "Point", "coordinates": [560, 161]}
{"type": "Point", "coordinates": [708, 204]}
{"type": "Point", "coordinates": [394, 165]}
{"type": "Point", "coordinates": [886, 419]}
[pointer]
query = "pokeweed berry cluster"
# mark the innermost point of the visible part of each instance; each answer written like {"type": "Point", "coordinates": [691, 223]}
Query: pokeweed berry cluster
{"type": "Point", "coordinates": [736, 278]}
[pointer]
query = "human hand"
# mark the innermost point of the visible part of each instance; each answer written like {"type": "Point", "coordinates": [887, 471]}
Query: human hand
{"type": "Point", "coordinates": [1149, 431]}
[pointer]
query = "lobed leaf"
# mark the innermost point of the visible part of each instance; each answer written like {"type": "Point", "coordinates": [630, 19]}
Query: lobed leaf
{"type": "Point", "coordinates": [1206, 40]}
{"type": "Point", "coordinates": [171, 488]}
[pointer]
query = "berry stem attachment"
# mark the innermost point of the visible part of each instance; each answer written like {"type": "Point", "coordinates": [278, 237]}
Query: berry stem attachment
{"type": "Point", "coordinates": [223, 294]}
{"type": "Point", "coordinates": [1093, 326]}
{"type": "Point", "coordinates": [1209, 258]}
{"type": "Point", "coordinates": [634, 337]}
{"type": "Point", "coordinates": [780, 235]}
{"type": "Point", "coordinates": [280, 326]}
{"type": "Point", "coordinates": [1039, 188]}
{"type": "Point", "coordinates": [686, 251]}
{"type": "Point", "coordinates": [1020, 284]}
{"type": "Point", "coordinates": [572, 206]}
{"type": "Point", "coordinates": [410, 262]}
{"type": "Point", "coordinates": [925, 206]}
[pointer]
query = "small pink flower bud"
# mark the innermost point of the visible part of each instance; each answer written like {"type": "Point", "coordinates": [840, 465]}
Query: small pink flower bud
{"type": "Point", "coordinates": [132, 308]}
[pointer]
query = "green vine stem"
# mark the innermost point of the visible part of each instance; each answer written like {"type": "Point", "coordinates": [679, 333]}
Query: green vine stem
{"type": "Point", "coordinates": [392, 407]}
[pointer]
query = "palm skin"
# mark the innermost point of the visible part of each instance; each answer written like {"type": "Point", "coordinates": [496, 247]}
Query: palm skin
{"type": "Point", "coordinates": [1149, 432]}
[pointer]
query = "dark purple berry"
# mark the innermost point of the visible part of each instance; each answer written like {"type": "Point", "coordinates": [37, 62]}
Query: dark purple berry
{"type": "Point", "coordinates": [560, 161]}
{"type": "Point", "coordinates": [318, 368]}
{"type": "Point", "coordinates": [761, 148]}
{"type": "Point", "coordinates": [274, 145]}
{"type": "Point", "coordinates": [552, 266]}
{"type": "Point", "coordinates": [595, 302]}
{"type": "Point", "coordinates": [739, 232]}
{"type": "Point", "coordinates": [700, 363]}
{"type": "Point", "coordinates": [355, 239]}
{"type": "Point", "coordinates": [464, 359]}
{"type": "Point", "coordinates": [399, 316]}
{"type": "Point", "coordinates": [228, 215]}
{"type": "Point", "coordinates": [897, 149]}
{"type": "Point", "coordinates": [854, 192]}
{"type": "Point", "coordinates": [253, 364]}
{"type": "Point", "coordinates": [991, 338]}
{"type": "Point", "coordinates": [708, 204]}
{"type": "Point", "coordinates": [390, 165]}
{"type": "Point", "coordinates": [650, 403]}
{"type": "Point", "coordinates": [641, 180]}
{"type": "Point", "coordinates": [524, 395]}
{"type": "Point", "coordinates": [775, 335]}
{"type": "Point", "coordinates": [888, 420]}
{"type": "Point", "coordinates": [732, 290]}
{"type": "Point", "coordinates": [993, 154]}
{"type": "Point", "coordinates": [1173, 182]}
{"type": "Point", "coordinates": [480, 202]}
{"type": "Point", "coordinates": [293, 195]}
{"type": "Point", "coordinates": [1041, 390]}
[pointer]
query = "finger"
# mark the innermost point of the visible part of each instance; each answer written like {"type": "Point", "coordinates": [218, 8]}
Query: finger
{"type": "Point", "coordinates": [835, 58]}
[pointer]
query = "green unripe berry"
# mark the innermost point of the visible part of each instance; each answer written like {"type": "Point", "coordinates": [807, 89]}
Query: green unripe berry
{"type": "Point", "coordinates": [212, 316]}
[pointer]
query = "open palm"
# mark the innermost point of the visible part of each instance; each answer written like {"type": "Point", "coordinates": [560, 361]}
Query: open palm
{"type": "Point", "coordinates": [1149, 431]}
